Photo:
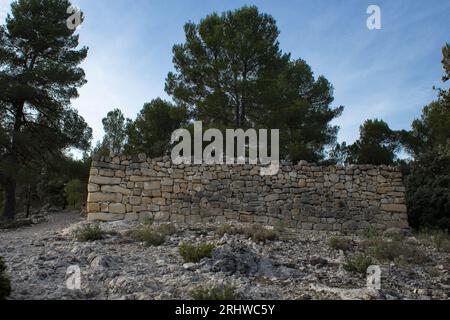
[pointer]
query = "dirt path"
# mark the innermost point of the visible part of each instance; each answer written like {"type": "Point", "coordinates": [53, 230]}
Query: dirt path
{"type": "Point", "coordinates": [56, 222]}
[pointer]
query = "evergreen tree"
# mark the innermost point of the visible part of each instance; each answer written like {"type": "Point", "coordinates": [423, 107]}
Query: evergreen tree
{"type": "Point", "coordinates": [39, 75]}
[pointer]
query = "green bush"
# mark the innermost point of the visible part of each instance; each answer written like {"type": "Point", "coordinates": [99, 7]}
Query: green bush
{"type": "Point", "coordinates": [195, 253]}
{"type": "Point", "coordinates": [428, 192]}
{"type": "Point", "coordinates": [149, 236]}
{"type": "Point", "coordinates": [225, 229]}
{"type": "Point", "coordinates": [90, 233]}
{"type": "Point", "coordinates": [216, 293]}
{"type": "Point", "coordinates": [395, 251]}
{"type": "Point", "coordinates": [75, 192]}
{"type": "Point", "coordinates": [358, 263]}
{"type": "Point", "coordinates": [341, 244]}
{"type": "Point", "coordinates": [5, 283]}
{"type": "Point", "coordinates": [258, 233]}
{"type": "Point", "coordinates": [167, 229]}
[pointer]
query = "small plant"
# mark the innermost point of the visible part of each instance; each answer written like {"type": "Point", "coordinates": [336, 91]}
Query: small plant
{"type": "Point", "coordinates": [216, 293]}
{"type": "Point", "coordinates": [226, 229]}
{"type": "Point", "coordinates": [341, 244]}
{"type": "Point", "coordinates": [358, 263]}
{"type": "Point", "coordinates": [147, 221]}
{"type": "Point", "coordinates": [258, 233]}
{"type": "Point", "coordinates": [370, 233]}
{"type": "Point", "coordinates": [149, 236]}
{"type": "Point", "coordinates": [5, 283]}
{"type": "Point", "coordinates": [167, 229]}
{"type": "Point", "coordinates": [90, 233]}
{"type": "Point", "coordinates": [195, 253]}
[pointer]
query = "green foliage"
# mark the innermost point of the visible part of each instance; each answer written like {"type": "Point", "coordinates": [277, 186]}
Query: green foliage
{"type": "Point", "coordinates": [5, 283]}
{"type": "Point", "coordinates": [75, 192]}
{"type": "Point", "coordinates": [358, 263]}
{"type": "Point", "coordinates": [167, 229]}
{"type": "Point", "coordinates": [148, 221]}
{"type": "Point", "coordinates": [115, 132]}
{"type": "Point", "coordinates": [195, 253]}
{"type": "Point", "coordinates": [341, 244]}
{"type": "Point", "coordinates": [231, 73]}
{"type": "Point", "coordinates": [428, 192]}
{"type": "Point", "coordinates": [258, 233]}
{"type": "Point", "coordinates": [225, 229]}
{"type": "Point", "coordinates": [90, 233]}
{"type": "Point", "coordinates": [151, 132]}
{"type": "Point", "coordinates": [395, 251]}
{"type": "Point", "coordinates": [377, 144]}
{"type": "Point", "coordinates": [224, 292]}
{"type": "Point", "coordinates": [149, 236]}
{"type": "Point", "coordinates": [154, 236]}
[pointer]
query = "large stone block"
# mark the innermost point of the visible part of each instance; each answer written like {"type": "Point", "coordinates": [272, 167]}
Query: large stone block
{"type": "Point", "coordinates": [105, 217]}
{"type": "Point", "coordinates": [104, 180]}
{"type": "Point", "coordinates": [117, 208]}
{"type": "Point", "coordinates": [116, 189]}
{"type": "Point", "coordinates": [392, 207]}
{"type": "Point", "coordinates": [104, 197]}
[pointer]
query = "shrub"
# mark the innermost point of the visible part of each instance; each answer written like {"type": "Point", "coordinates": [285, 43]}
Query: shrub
{"type": "Point", "coordinates": [259, 233]}
{"type": "Point", "coordinates": [395, 251]}
{"type": "Point", "coordinates": [341, 244]}
{"type": "Point", "coordinates": [358, 263]}
{"type": "Point", "coordinates": [195, 253]}
{"type": "Point", "coordinates": [90, 233]}
{"type": "Point", "coordinates": [147, 221]}
{"type": "Point", "coordinates": [167, 229]}
{"type": "Point", "coordinates": [75, 192]}
{"type": "Point", "coordinates": [225, 229]}
{"type": "Point", "coordinates": [428, 192]}
{"type": "Point", "coordinates": [5, 284]}
{"type": "Point", "coordinates": [216, 293]}
{"type": "Point", "coordinates": [149, 236]}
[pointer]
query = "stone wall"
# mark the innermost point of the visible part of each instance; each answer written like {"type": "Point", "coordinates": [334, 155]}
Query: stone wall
{"type": "Point", "coordinates": [305, 196]}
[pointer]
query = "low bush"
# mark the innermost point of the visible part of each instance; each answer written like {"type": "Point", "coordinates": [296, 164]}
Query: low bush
{"type": "Point", "coordinates": [5, 283]}
{"type": "Point", "coordinates": [149, 236]}
{"type": "Point", "coordinates": [90, 233]}
{"type": "Point", "coordinates": [216, 293]}
{"type": "Point", "coordinates": [167, 229]}
{"type": "Point", "coordinates": [395, 251]}
{"type": "Point", "coordinates": [195, 253]}
{"type": "Point", "coordinates": [358, 263]}
{"type": "Point", "coordinates": [343, 244]}
{"type": "Point", "coordinates": [259, 233]}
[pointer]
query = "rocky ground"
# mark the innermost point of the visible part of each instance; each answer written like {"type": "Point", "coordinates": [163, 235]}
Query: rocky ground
{"type": "Point", "coordinates": [298, 265]}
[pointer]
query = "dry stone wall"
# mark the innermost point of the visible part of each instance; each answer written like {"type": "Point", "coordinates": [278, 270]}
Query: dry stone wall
{"type": "Point", "coordinates": [305, 196]}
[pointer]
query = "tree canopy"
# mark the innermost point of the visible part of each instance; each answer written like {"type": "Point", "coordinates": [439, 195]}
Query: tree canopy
{"type": "Point", "coordinates": [231, 73]}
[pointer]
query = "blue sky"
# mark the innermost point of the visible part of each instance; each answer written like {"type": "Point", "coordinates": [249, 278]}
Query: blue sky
{"type": "Point", "coordinates": [386, 73]}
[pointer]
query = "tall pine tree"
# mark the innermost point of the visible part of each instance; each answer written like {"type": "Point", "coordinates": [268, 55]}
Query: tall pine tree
{"type": "Point", "coordinates": [39, 75]}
